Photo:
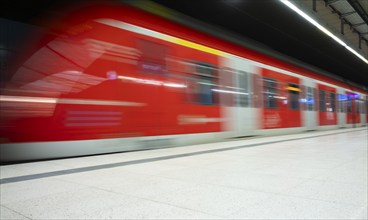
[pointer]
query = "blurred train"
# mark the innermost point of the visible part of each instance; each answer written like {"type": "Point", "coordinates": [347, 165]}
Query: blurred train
{"type": "Point", "coordinates": [119, 79]}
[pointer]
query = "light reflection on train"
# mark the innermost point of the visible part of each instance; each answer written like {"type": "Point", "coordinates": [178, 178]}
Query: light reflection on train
{"type": "Point", "coordinates": [125, 80]}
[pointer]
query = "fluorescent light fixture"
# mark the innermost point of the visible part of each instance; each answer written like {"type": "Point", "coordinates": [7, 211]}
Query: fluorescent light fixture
{"type": "Point", "coordinates": [323, 29]}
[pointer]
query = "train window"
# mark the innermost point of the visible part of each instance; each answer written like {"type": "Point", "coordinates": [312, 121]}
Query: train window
{"type": "Point", "coordinates": [349, 105]}
{"type": "Point", "coordinates": [322, 101]}
{"type": "Point", "coordinates": [270, 93]}
{"type": "Point", "coordinates": [363, 106]}
{"type": "Point", "coordinates": [293, 96]}
{"type": "Point", "coordinates": [227, 89]}
{"type": "Point", "coordinates": [332, 102]}
{"type": "Point", "coordinates": [341, 100]}
{"type": "Point", "coordinates": [243, 89]}
{"type": "Point", "coordinates": [153, 57]}
{"type": "Point", "coordinates": [203, 84]}
{"type": "Point", "coordinates": [357, 106]}
{"type": "Point", "coordinates": [316, 98]}
{"type": "Point", "coordinates": [256, 81]}
{"type": "Point", "coordinates": [309, 99]}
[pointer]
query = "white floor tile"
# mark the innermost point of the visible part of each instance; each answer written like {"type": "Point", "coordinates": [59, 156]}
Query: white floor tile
{"type": "Point", "coordinates": [295, 172]}
{"type": "Point", "coordinates": [29, 168]}
{"type": "Point", "coordinates": [138, 185]}
{"type": "Point", "coordinates": [148, 210]}
{"type": "Point", "coordinates": [259, 182]}
{"type": "Point", "coordinates": [214, 200]}
{"type": "Point", "coordinates": [20, 191]}
{"type": "Point", "coordinates": [353, 194]}
{"type": "Point", "coordinates": [8, 214]}
{"type": "Point", "coordinates": [239, 165]}
{"type": "Point", "coordinates": [197, 175]}
{"type": "Point", "coordinates": [284, 207]}
{"type": "Point", "coordinates": [348, 176]}
{"type": "Point", "coordinates": [316, 178]}
{"type": "Point", "coordinates": [71, 204]}
{"type": "Point", "coordinates": [358, 164]}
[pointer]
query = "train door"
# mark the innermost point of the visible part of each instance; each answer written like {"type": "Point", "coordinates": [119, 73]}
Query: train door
{"type": "Point", "coordinates": [353, 110]}
{"type": "Point", "coordinates": [244, 111]}
{"type": "Point", "coordinates": [309, 113]}
{"type": "Point", "coordinates": [341, 101]}
{"type": "Point", "coordinates": [362, 110]}
{"type": "Point", "coordinates": [327, 105]}
{"type": "Point", "coordinates": [240, 114]}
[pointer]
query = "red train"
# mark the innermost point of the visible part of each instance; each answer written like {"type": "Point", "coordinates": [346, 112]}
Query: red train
{"type": "Point", "coordinates": [118, 79]}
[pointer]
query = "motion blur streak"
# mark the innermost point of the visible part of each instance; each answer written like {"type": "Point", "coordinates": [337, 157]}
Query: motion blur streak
{"type": "Point", "coordinates": [67, 101]}
{"type": "Point", "coordinates": [152, 82]}
{"type": "Point", "coordinates": [4, 98]}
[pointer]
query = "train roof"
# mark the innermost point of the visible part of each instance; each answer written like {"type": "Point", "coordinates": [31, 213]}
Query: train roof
{"type": "Point", "coordinates": [350, 71]}
{"type": "Point", "coordinates": [332, 60]}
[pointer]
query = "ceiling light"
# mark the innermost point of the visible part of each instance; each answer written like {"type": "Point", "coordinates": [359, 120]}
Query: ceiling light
{"type": "Point", "coordinates": [323, 29]}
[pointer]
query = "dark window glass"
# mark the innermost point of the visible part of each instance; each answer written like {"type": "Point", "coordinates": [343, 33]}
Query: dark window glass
{"type": "Point", "coordinates": [349, 107]}
{"type": "Point", "coordinates": [322, 101]}
{"type": "Point", "coordinates": [257, 82]}
{"type": "Point", "coordinates": [333, 102]}
{"type": "Point", "coordinates": [316, 102]}
{"type": "Point", "coordinates": [205, 76]}
{"type": "Point", "coordinates": [270, 93]}
{"type": "Point", "coordinates": [341, 102]}
{"type": "Point", "coordinates": [243, 89]}
{"type": "Point", "coordinates": [357, 106]}
{"type": "Point", "coordinates": [293, 96]}
{"type": "Point", "coordinates": [227, 88]}
{"type": "Point", "coordinates": [205, 96]}
{"type": "Point", "coordinates": [153, 57]}
{"type": "Point", "coordinates": [310, 99]}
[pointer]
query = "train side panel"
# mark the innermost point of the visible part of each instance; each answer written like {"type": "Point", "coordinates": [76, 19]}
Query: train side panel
{"type": "Point", "coordinates": [341, 107]}
{"type": "Point", "coordinates": [281, 94]}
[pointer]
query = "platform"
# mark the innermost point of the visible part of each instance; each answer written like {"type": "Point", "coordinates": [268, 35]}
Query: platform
{"type": "Point", "coordinates": [312, 175]}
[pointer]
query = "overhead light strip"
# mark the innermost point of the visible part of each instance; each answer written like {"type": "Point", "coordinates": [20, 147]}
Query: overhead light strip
{"type": "Point", "coordinates": [323, 29]}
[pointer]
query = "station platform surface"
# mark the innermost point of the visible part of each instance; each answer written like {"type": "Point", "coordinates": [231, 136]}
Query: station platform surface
{"type": "Point", "coordinates": [311, 175]}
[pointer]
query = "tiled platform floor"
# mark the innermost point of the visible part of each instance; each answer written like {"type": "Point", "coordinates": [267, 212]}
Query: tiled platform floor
{"type": "Point", "coordinates": [322, 177]}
